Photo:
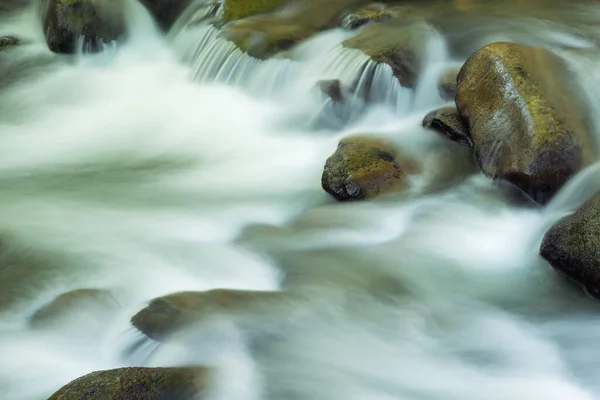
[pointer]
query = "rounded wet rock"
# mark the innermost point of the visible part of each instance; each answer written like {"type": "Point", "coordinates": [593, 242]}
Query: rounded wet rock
{"type": "Point", "coordinates": [186, 383]}
{"type": "Point", "coordinates": [449, 123]}
{"type": "Point", "coordinates": [374, 12]}
{"type": "Point", "coordinates": [364, 167]}
{"type": "Point", "coordinates": [170, 314]}
{"type": "Point", "coordinates": [526, 118]}
{"type": "Point", "coordinates": [96, 22]}
{"type": "Point", "coordinates": [571, 246]}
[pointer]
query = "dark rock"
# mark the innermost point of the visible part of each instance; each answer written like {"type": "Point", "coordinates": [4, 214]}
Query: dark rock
{"type": "Point", "coordinates": [189, 383]}
{"type": "Point", "coordinates": [170, 314]}
{"type": "Point", "coordinates": [449, 123]}
{"type": "Point", "coordinates": [97, 22]}
{"type": "Point", "coordinates": [332, 88]}
{"type": "Point", "coordinates": [526, 119]}
{"type": "Point", "coordinates": [572, 246]}
{"type": "Point", "coordinates": [166, 12]}
{"type": "Point", "coordinates": [70, 303]}
{"type": "Point", "coordinates": [8, 42]}
{"type": "Point", "coordinates": [447, 84]}
{"type": "Point", "coordinates": [402, 46]}
{"type": "Point", "coordinates": [364, 167]}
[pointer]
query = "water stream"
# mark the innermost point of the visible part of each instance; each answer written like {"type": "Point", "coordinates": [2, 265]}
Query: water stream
{"type": "Point", "coordinates": [171, 163]}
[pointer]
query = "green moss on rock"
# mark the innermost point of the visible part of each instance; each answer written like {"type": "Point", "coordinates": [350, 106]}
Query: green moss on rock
{"type": "Point", "coordinates": [238, 9]}
{"type": "Point", "coordinates": [138, 384]}
{"type": "Point", "coordinates": [526, 118]}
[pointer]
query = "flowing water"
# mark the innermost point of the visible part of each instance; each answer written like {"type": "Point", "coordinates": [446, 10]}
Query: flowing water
{"type": "Point", "coordinates": [171, 163]}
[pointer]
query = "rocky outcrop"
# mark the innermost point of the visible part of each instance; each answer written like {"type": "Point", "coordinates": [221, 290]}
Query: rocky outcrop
{"type": "Point", "coordinates": [96, 22]}
{"type": "Point", "coordinates": [73, 302]}
{"type": "Point", "coordinates": [526, 120]}
{"type": "Point", "coordinates": [449, 123]}
{"type": "Point", "coordinates": [8, 42]}
{"type": "Point", "coordinates": [170, 314]}
{"type": "Point", "coordinates": [402, 46]}
{"type": "Point", "coordinates": [571, 246]}
{"type": "Point", "coordinates": [166, 12]}
{"type": "Point", "coordinates": [238, 9]}
{"type": "Point", "coordinates": [447, 84]}
{"type": "Point", "coordinates": [189, 383]}
{"type": "Point", "coordinates": [364, 167]}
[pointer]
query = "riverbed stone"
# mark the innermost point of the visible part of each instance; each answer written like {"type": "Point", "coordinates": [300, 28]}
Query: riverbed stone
{"type": "Point", "coordinates": [332, 88]}
{"type": "Point", "coordinates": [400, 45]}
{"type": "Point", "coordinates": [166, 12]}
{"type": "Point", "coordinates": [8, 42]}
{"type": "Point", "coordinates": [449, 123]}
{"type": "Point", "coordinates": [238, 9]}
{"type": "Point", "coordinates": [447, 84]}
{"type": "Point", "coordinates": [170, 314]}
{"type": "Point", "coordinates": [184, 383]}
{"type": "Point", "coordinates": [364, 167]}
{"type": "Point", "coordinates": [571, 246]}
{"type": "Point", "coordinates": [526, 118]}
{"type": "Point", "coordinates": [372, 12]}
{"type": "Point", "coordinates": [95, 21]}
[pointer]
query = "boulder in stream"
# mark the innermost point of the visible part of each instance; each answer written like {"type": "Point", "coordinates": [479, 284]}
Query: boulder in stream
{"type": "Point", "coordinates": [185, 383]}
{"type": "Point", "coordinates": [571, 246]}
{"type": "Point", "coordinates": [526, 119]}
{"type": "Point", "coordinates": [94, 21]}
{"type": "Point", "coordinates": [364, 167]}
{"type": "Point", "coordinates": [373, 12]}
{"type": "Point", "coordinates": [166, 12]}
{"type": "Point", "coordinates": [449, 123]}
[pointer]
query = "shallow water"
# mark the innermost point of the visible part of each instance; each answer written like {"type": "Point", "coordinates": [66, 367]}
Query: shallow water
{"type": "Point", "coordinates": [173, 163]}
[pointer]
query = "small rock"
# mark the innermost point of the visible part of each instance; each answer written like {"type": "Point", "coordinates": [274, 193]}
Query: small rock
{"type": "Point", "coordinates": [170, 314]}
{"type": "Point", "coordinates": [447, 84]}
{"type": "Point", "coordinates": [526, 119]}
{"type": "Point", "coordinates": [8, 42]}
{"type": "Point", "coordinates": [331, 88]}
{"type": "Point", "coordinates": [166, 12]}
{"type": "Point", "coordinates": [401, 46]}
{"type": "Point", "coordinates": [449, 123]}
{"type": "Point", "coordinates": [97, 22]}
{"type": "Point", "coordinates": [185, 383]}
{"type": "Point", "coordinates": [70, 303]}
{"type": "Point", "coordinates": [374, 12]}
{"type": "Point", "coordinates": [364, 167]}
{"type": "Point", "coordinates": [571, 246]}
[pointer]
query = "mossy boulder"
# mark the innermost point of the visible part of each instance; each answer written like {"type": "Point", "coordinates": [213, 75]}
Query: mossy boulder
{"type": "Point", "coordinates": [402, 46]}
{"type": "Point", "coordinates": [167, 315]}
{"type": "Point", "coordinates": [526, 118]}
{"type": "Point", "coordinates": [166, 12]}
{"type": "Point", "coordinates": [94, 21]}
{"type": "Point", "coordinates": [363, 167]}
{"type": "Point", "coordinates": [238, 9]}
{"type": "Point", "coordinates": [447, 84]}
{"type": "Point", "coordinates": [8, 42]}
{"type": "Point", "coordinates": [264, 35]}
{"type": "Point", "coordinates": [73, 303]}
{"type": "Point", "coordinates": [188, 383]}
{"type": "Point", "coordinates": [449, 123]}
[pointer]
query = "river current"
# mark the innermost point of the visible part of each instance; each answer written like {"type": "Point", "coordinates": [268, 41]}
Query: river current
{"type": "Point", "coordinates": [175, 162]}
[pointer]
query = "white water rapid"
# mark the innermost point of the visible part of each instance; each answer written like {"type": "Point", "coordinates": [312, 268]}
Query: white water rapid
{"type": "Point", "coordinates": [175, 162]}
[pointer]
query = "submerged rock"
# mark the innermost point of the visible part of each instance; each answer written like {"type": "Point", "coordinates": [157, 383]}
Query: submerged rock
{"type": "Point", "coordinates": [571, 246]}
{"type": "Point", "coordinates": [70, 303]}
{"type": "Point", "coordinates": [169, 314]}
{"type": "Point", "coordinates": [526, 120]}
{"type": "Point", "coordinates": [238, 9]}
{"type": "Point", "coordinates": [186, 383]}
{"type": "Point", "coordinates": [447, 84]}
{"type": "Point", "coordinates": [401, 46]}
{"type": "Point", "coordinates": [364, 167]}
{"type": "Point", "coordinates": [8, 42]}
{"type": "Point", "coordinates": [166, 12]}
{"type": "Point", "coordinates": [97, 22]}
{"type": "Point", "coordinates": [449, 123]}
{"type": "Point", "coordinates": [332, 88]}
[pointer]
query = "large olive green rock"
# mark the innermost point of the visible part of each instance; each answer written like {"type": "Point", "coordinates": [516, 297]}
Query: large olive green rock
{"type": "Point", "coordinates": [189, 383]}
{"type": "Point", "coordinates": [449, 123]}
{"type": "Point", "coordinates": [402, 46]}
{"type": "Point", "coordinates": [166, 12]}
{"type": "Point", "coordinates": [96, 21]}
{"type": "Point", "coordinates": [264, 35]}
{"type": "Point", "coordinates": [572, 246]}
{"type": "Point", "coordinates": [237, 9]}
{"type": "Point", "coordinates": [169, 314]}
{"type": "Point", "coordinates": [527, 120]}
{"type": "Point", "coordinates": [364, 167]}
